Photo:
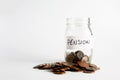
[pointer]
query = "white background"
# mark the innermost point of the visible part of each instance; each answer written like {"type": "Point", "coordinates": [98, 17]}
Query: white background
{"type": "Point", "coordinates": [32, 32]}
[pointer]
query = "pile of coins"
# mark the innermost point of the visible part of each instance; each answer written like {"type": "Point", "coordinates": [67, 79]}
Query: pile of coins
{"type": "Point", "coordinates": [75, 62]}
{"type": "Point", "coordinates": [62, 67]}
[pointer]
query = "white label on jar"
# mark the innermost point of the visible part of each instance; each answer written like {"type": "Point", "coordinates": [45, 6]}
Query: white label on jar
{"type": "Point", "coordinates": [74, 42]}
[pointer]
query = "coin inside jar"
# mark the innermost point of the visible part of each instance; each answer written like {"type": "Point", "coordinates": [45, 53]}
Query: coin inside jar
{"type": "Point", "coordinates": [70, 57]}
{"type": "Point", "coordinates": [79, 54]}
{"type": "Point", "coordinates": [85, 58]}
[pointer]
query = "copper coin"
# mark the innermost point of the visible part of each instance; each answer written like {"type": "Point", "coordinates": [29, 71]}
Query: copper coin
{"type": "Point", "coordinates": [83, 64]}
{"type": "Point", "coordinates": [70, 57]}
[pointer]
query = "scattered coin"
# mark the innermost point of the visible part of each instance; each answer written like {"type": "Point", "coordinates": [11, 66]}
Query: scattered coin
{"type": "Point", "coordinates": [83, 64]}
{"type": "Point", "coordinates": [74, 68]}
{"type": "Point", "coordinates": [65, 69]}
{"type": "Point", "coordinates": [43, 66]}
{"type": "Point", "coordinates": [94, 67]}
{"type": "Point", "coordinates": [58, 71]}
{"type": "Point", "coordinates": [85, 71]}
{"type": "Point", "coordinates": [89, 69]}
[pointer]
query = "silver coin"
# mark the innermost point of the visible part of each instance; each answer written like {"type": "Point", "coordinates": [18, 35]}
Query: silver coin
{"type": "Point", "coordinates": [85, 58]}
{"type": "Point", "coordinates": [79, 54]}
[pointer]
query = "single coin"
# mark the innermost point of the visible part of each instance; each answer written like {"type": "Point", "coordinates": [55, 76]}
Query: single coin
{"type": "Point", "coordinates": [83, 64]}
{"type": "Point", "coordinates": [38, 66]}
{"type": "Point", "coordinates": [70, 57]}
{"type": "Point", "coordinates": [74, 68]}
{"type": "Point", "coordinates": [89, 69]}
{"type": "Point", "coordinates": [58, 71]}
{"type": "Point", "coordinates": [43, 66]}
{"type": "Point", "coordinates": [94, 67]}
{"type": "Point", "coordinates": [85, 71]}
{"type": "Point", "coordinates": [85, 58]}
{"type": "Point", "coordinates": [65, 69]}
{"type": "Point", "coordinates": [79, 54]}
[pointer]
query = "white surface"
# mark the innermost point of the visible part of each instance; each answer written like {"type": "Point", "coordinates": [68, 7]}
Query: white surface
{"type": "Point", "coordinates": [32, 32]}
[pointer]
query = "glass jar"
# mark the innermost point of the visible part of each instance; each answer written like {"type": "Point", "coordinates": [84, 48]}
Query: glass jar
{"type": "Point", "coordinates": [78, 39]}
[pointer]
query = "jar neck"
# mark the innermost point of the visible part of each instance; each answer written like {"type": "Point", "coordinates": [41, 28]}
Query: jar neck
{"type": "Point", "coordinates": [78, 25]}
{"type": "Point", "coordinates": [78, 22]}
